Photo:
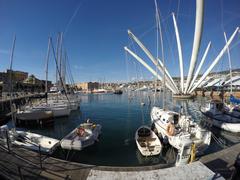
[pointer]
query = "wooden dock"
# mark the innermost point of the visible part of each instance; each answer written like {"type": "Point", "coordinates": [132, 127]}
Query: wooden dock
{"type": "Point", "coordinates": [21, 164]}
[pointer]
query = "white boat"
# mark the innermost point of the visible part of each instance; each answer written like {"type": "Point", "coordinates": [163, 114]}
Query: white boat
{"type": "Point", "coordinates": [83, 136]}
{"type": "Point", "coordinates": [181, 132]}
{"type": "Point", "coordinates": [58, 110]}
{"type": "Point", "coordinates": [29, 140]}
{"type": "Point", "coordinates": [144, 88]}
{"type": "Point", "coordinates": [219, 118]}
{"type": "Point", "coordinates": [147, 141]}
{"type": "Point", "coordinates": [39, 116]}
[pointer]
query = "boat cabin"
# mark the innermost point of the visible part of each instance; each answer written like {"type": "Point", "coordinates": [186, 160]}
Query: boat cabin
{"type": "Point", "coordinates": [170, 117]}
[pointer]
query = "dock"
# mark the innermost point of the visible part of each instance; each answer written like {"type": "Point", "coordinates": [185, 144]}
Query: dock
{"type": "Point", "coordinates": [19, 163]}
{"type": "Point", "coordinates": [222, 162]}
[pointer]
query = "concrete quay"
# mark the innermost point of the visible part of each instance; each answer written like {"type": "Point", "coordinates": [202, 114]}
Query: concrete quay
{"type": "Point", "coordinates": [21, 163]}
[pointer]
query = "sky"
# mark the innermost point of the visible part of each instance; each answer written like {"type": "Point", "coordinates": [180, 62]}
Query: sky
{"type": "Point", "coordinates": [95, 33]}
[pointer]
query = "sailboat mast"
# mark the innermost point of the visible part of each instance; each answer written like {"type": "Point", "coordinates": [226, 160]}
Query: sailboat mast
{"type": "Point", "coordinates": [161, 40]}
{"type": "Point", "coordinates": [10, 79]}
{"type": "Point", "coordinates": [229, 61]}
{"type": "Point", "coordinates": [46, 70]}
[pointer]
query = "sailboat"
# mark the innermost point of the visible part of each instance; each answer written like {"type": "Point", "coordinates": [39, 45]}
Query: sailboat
{"type": "Point", "coordinates": [222, 115]}
{"type": "Point", "coordinates": [22, 138]}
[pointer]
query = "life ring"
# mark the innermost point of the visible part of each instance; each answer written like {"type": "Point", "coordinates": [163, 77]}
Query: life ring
{"type": "Point", "coordinates": [80, 131]}
{"type": "Point", "coordinates": [170, 129]}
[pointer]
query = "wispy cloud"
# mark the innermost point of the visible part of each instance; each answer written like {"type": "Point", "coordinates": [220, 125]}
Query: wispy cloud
{"type": "Point", "coordinates": [4, 51]}
{"type": "Point", "coordinates": [78, 67]}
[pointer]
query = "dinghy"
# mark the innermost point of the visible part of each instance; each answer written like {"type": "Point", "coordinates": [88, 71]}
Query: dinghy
{"type": "Point", "coordinates": [147, 141]}
{"type": "Point", "coordinates": [83, 136]}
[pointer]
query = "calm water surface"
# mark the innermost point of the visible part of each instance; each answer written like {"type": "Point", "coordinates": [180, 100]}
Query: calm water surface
{"type": "Point", "coordinates": [120, 116]}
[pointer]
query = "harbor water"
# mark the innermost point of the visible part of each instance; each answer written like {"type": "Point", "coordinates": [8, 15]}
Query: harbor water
{"type": "Point", "coordinates": [120, 116]}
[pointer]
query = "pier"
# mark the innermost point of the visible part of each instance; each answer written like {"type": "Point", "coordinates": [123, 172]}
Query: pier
{"type": "Point", "coordinates": [19, 163]}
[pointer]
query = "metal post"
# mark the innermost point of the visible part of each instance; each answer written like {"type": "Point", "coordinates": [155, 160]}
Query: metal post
{"type": "Point", "coordinates": [8, 146]}
{"type": "Point", "coordinates": [20, 173]}
{"type": "Point", "coordinates": [40, 156]}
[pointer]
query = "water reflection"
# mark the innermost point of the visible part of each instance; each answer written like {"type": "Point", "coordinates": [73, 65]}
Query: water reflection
{"type": "Point", "coordinates": [120, 116]}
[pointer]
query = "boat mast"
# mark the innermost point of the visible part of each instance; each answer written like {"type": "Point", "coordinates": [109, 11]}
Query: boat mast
{"type": "Point", "coordinates": [46, 70]}
{"type": "Point", "coordinates": [161, 40]}
{"type": "Point", "coordinates": [196, 41]}
{"type": "Point", "coordinates": [229, 61]}
{"type": "Point", "coordinates": [10, 79]}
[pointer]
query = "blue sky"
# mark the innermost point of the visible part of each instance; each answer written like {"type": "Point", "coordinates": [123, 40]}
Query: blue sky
{"type": "Point", "coordinates": [96, 32]}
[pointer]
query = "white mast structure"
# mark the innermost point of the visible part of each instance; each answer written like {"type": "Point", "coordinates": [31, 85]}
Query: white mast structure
{"type": "Point", "coordinates": [155, 62]}
{"type": "Point", "coordinates": [190, 86]}
{"type": "Point", "coordinates": [216, 60]}
{"type": "Point", "coordinates": [196, 41]}
{"type": "Point", "coordinates": [200, 65]}
{"type": "Point", "coordinates": [148, 67]}
{"type": "Point", "coordinates": [180, 57]}
{"type": "Point", "coordinates": [229, 61]}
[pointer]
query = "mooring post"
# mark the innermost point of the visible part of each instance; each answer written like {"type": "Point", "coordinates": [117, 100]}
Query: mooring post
{"type": "Point", "coordinates": [40, 156]}
{"type": "Point", "coordinates": [20, 172]}
{"type": "Point", "coordinates": [8, 145]}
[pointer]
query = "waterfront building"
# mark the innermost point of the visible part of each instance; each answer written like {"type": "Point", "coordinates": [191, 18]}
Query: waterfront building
{"type": "Point", "coordinates": [87, 86]}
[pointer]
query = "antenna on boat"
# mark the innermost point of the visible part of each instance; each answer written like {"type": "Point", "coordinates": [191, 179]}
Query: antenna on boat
{"type": "Point", "coordinates": [11, 87]}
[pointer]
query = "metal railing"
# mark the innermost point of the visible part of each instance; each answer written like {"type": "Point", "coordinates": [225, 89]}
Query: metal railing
{"type": "Point", "coordinates": [6, 146]}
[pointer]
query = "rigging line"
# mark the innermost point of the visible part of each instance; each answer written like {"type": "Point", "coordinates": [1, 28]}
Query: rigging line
{"type": "Point", "coordinates": [54, 55]}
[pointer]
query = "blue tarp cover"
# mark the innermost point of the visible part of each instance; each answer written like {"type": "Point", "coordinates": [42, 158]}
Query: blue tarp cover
{"type": "Point", "coordinates": [234, 100]}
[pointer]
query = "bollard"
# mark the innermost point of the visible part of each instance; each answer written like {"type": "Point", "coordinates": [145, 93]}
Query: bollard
{"type": "Point", "coordinates": [40, 156]}
{"type": "Point", "coordinates": [8, 146]}
{"type": "Point", "coordinates": [236, 173]}
{"type": "Point", "coordinates": [20, 172]}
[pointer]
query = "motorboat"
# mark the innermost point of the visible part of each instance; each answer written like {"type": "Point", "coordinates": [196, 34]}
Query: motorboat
{"type": "Point", "coordinates": [220, 117]}
{"type": "Point", "coordinates": [29, 140]}
{"type": "Point", "coordinates": [147, 141]}
{"type": "Point", "coordinates": [86, 134]}
{"type": "Point", "coordinates": [181, 132]}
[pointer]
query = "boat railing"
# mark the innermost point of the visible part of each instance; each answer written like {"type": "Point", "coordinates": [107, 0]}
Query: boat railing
{"type": "Point", "coordinates": [6, 146]}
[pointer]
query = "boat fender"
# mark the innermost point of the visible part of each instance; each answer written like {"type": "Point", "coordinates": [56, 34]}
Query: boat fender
{"type": "Point", "coordinates": [170, 129]}
{"type": "Point", "coordinates": [80, 131]}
